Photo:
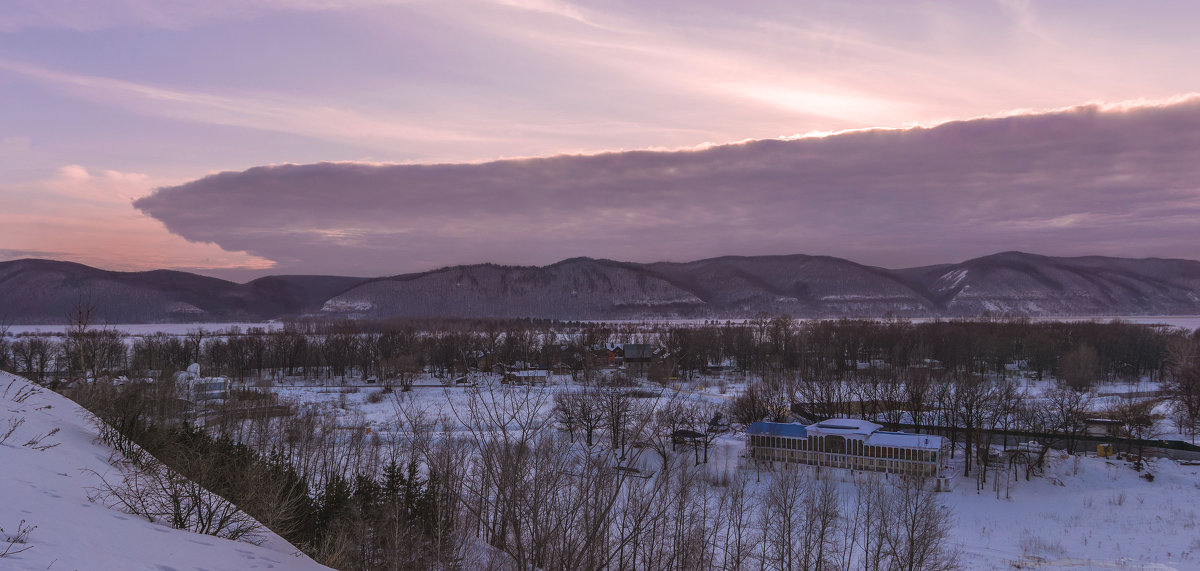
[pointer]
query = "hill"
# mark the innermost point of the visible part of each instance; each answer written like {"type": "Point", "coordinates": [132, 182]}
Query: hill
{"type": "Point", "coordinates": [49, 485]}
{"type": "Point", "coordinates": [1028, 284]}
{"type": "Point", "coordinates": [1008, 283]}
{"type": "Point", "coordinates": [47, 291]}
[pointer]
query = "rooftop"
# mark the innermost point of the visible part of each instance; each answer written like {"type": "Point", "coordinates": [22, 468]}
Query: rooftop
{"type": "Point", "coordinates": [530, 373]}
{"type": "Point", "coordinates": [844, 426]}
{"type": "Point", "coordinates": [905, 440]}
{"type": "Point", "coordinates": [869, 431]}
{"type": "Point", "coordinates": [790, 430]}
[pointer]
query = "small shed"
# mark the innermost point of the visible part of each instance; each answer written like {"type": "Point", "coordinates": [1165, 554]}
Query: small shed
{"type": "Point", "coordinates": [1104, 427]}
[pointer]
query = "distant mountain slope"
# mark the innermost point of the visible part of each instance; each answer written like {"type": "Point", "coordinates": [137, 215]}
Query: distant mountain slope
{"type": "Point", "coordinates": [301, 294]}
{"type": "Point", "coordinates": [796, 284]}
{"type": "Point", "coordinates": [41, 291]}
{"type": "Point", "coordinates": [46, 291]}
{"type": "Point", "coordinates": [579, 288]}
{"type": "Point", "coordinates": [1029, 284]}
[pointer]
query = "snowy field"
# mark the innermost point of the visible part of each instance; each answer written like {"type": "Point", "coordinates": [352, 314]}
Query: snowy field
{"type": "Point", "coordinates": [47, 485]}
{"type": "Point", "coordinates": [1083, 513]}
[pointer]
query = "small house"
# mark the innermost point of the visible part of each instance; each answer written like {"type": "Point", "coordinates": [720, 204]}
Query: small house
{"type": "Point", "coordinates": [526, 377]}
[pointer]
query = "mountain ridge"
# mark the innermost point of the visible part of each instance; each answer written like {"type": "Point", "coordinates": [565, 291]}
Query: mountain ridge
{"type": "Point", "coordinates": [34, 291]}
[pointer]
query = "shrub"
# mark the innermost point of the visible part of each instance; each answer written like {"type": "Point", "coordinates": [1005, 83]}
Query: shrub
{"type": "Point", "coordinates": [12, 541]}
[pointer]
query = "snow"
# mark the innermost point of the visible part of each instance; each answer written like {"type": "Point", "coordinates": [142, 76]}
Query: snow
{"type": "Point", "coordinates": [1085, 512]}
{"type": "Point", "coordinates": [950, 280]}
{"type": "Point", "coordinates": [341, 305]}
{"type": "Point", "coordinates": [905, 440]}
{"type": "Point", "coordinates": [844, 426]}
{"type": "Point", "coordinates": [49, 489]}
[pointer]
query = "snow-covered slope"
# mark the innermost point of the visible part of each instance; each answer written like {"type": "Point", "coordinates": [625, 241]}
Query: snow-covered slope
{"type": "Point", "coordinates": [48, 488]}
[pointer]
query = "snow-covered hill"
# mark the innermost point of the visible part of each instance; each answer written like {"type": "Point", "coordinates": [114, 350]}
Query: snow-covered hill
{"type": "Point", "coordinates": [44, 481]}
{"type": "Point", "coordinates": [45, 291]}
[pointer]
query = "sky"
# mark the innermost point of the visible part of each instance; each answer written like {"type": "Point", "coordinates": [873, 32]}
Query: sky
{"type": "Point", "coordinates": [241, 138]}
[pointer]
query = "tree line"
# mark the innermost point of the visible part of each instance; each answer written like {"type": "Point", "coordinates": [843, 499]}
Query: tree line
{"type": "Point", "coordinates": [1080, 353]}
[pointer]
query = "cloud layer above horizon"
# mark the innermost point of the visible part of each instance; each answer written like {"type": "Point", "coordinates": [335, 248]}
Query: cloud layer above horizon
{"type": "Point", "coordinates": [1114, 180]}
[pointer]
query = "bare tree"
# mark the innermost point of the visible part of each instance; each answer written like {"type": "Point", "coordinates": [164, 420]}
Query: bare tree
{"type": "Point", "coordinates": [868, 519]}
{"type": "Point", "coordinates": [1079, 368]}
{"type": "Point", "coordinates": [1068, 409]}
{"type": "Point", "coordinates": [149, 489]}
{"type": "Point", "coordinates": [740, 537]}
{"type": "Point", "coordinates": [34, 356]}
{"type": "Point", "coordinates": [1183, 384]}
{"type": "Point", "coordinates": [918, 529]}
{"type": "Point", "coordinates": [822, 518]}
{"type": "Point", "coordinates": [782, 519]}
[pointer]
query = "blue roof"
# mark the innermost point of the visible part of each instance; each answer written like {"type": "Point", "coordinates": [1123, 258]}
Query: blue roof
{"type": "Point", "coordinates": [788, 429]}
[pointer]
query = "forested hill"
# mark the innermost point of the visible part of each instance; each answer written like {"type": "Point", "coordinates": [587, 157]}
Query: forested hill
{"type": "Point", "coordinates": [1015, 283]}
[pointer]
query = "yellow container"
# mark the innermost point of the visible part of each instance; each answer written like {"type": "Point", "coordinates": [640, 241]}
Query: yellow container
{"type": "Point", "coordinates": [1104, 450]}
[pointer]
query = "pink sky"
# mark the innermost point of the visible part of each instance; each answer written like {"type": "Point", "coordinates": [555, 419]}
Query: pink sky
{"type": "Point", "coordinates": [108, 100]}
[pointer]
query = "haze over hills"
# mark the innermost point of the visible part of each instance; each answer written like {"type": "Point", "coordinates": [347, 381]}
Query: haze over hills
{"type": "Point", "coordinates": [44, 291]}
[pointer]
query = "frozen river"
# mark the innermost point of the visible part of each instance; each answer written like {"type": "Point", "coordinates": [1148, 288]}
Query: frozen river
{"type": "Point", "coordinates": [1189, 322]}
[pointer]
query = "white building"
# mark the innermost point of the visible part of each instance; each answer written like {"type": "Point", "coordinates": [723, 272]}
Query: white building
{"type": "Point", "coordinates": [849, 443]}
{"type": "Point", "coordinates": [202, 388]}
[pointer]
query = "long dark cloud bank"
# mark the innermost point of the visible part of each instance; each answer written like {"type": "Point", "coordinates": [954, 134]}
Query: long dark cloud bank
{"type": "Point", "coordinates": [1089, 180]}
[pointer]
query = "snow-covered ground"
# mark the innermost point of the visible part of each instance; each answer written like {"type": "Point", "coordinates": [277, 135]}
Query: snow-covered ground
{"type": "Point", "coordinates": [48, 488]}
{"type": "Point", "coordinates": [1085, 513]}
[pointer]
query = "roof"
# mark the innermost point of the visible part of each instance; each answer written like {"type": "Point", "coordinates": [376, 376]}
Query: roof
{"type": "Point", "coordinates": [530, 373]}
{"type": "Point", "coordinates": [788, 429]}
{"type": "Point", "coordinates": [847, 426]}
{"type": "Point", "coordinates": [905, 440]}
{"type": "Point", "coordinates": [637, 351]}
{"type": "Point", "coordinates": [844, 426]}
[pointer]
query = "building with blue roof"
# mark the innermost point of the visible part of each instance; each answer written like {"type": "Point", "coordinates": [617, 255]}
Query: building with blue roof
{"type": "Point", "coordinates": [849, 443]}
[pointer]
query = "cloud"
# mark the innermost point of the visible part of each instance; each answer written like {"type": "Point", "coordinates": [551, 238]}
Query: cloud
{"type": "Point", "coordinates": [255, 111]}
{"type": "Point", "coordinates": [96, 15]}
{"type": "Point", "coordinates": [86, 217]}
{"type": "Point", "coordinates": [6, 254]}
{"type": "Point", "coordinates": [1094, 179]}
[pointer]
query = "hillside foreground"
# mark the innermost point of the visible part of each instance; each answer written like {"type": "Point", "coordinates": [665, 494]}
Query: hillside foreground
{"type": "Point", "coordinates": [46, 487]}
